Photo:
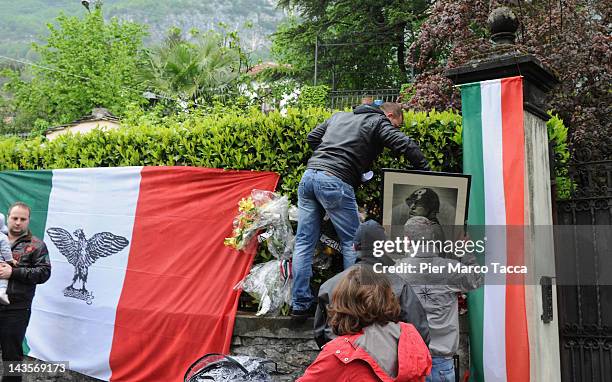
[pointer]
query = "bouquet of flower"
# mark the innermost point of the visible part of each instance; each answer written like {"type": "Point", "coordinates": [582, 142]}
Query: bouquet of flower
{"type": "Point", "coordinates": [243, 223]}
{"type": "Point", "coordinates": [270, 284]}
{"type": "Point", "coordinates": [267, 213]}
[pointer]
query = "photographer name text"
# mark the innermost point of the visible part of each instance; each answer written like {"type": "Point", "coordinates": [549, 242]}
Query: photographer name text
{"type": "Point", "coordinates": [451, 268]}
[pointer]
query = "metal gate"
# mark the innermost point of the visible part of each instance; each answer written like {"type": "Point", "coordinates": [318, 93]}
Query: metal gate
{"type": "Point", "coordinates": [585, 306]}
{"type": "Point", "coordinates": [340, 99]}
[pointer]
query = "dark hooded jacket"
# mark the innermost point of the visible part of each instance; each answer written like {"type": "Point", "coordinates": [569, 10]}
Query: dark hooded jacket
{"type": "Point", "coordinates": [411, 309]}
{"type": "Point", "coordinates": [347, 143]}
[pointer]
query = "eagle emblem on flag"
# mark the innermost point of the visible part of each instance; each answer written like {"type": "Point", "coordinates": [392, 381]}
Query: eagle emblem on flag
{"type": "Point", "coordinates": [82, 253]}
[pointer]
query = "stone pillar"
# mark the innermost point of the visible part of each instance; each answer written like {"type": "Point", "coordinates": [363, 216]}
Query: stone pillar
{"type": "Point", "coordinates": [506, 61]}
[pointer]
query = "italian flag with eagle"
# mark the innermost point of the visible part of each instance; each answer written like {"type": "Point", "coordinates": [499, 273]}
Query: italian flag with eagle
{"type": "Point", "coordinates": [141, 283]}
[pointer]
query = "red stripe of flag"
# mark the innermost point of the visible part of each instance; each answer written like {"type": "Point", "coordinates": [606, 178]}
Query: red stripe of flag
{"type": "Point", "coordinates": [177, 302]}
{"type": "Point", "coordinates": [513, 138]}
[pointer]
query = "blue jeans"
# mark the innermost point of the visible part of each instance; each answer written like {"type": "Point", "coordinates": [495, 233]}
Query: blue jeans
{"type": "Point", "coordinates": [442, 370]}
{"type": "Point", "coordinates": [321, 192]}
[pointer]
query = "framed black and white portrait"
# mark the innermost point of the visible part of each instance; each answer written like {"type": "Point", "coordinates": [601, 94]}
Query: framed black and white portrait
{"type": "Point", "coordinates": [439, 196]}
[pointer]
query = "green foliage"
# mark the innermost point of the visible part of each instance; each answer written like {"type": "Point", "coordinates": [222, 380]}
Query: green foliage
{"type": "Point", "coordinates": [276, 73]}
{"type": "Point", "coordinates": [23, 20]}
{"type": "Point", "coordinates": [576, 48]}
{"type": "Point", "coordinates": [277, 95]}
{"type": "Point", "coordinates": [370, 40]}
{"type": "Point", "coordinates": [245, 139]}
{"type": "Point", "coordinates": [196, 69]}
{"type": "Point", "coordinates": [314, 96]}
{"type": "Point", "coordinates": [275, 86]}
{"type": "Point", "coordinates": [85, 63]}
{"type": "Point", "coordinates": [271, 87]}
{"type": "Point", "coordinates": [232, 139]}
{"type": "Point", "coordinates": [557, 135]}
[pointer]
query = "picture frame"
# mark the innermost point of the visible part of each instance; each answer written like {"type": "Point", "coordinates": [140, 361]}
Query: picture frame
{"type": "Point", "coordinates": [404, 190]}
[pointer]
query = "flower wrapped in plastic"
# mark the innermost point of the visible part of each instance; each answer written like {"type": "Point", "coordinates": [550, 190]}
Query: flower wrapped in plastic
{"type": "Point", "coordinates": [270, 284]}
{"type": "Point", "coordinates": [267, 213]}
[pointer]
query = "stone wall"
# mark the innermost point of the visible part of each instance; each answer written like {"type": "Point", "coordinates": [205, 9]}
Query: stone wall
{"type": "Point", "coordinates": [291, 346]}
{"type": "Point", "coordinates": [279, 339]}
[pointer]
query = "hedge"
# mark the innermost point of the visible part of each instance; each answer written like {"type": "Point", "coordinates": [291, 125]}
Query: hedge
{"type": "Point", "coordinates": [238, 139]}
{"type": "Point", "coordinates": [314, 96]}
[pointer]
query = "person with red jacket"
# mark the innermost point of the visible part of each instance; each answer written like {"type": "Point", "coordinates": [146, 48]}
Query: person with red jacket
{"type": "Point", "coordinates": [371, 344]}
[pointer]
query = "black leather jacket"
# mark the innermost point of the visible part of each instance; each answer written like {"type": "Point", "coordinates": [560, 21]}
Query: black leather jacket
{"type": "Point", "coordinates": [347, 143]}
{"type": "Point", "coordinates": [33, 267]}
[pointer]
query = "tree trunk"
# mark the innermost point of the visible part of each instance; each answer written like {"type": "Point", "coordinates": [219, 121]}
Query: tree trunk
{"type": "Point", "coordinates": [401, 49]}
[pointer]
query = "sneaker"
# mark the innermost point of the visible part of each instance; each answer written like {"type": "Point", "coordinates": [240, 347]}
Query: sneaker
{"type": "Point", "coordinates": [302, 315]}
{"type": "Point", "coordinates": [4, 300]}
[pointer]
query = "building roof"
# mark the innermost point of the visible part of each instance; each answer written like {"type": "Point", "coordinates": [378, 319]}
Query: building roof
{"type": "Point", "coordinates": [266, 65]}
{"type": "Point", "coordinates": [97, 114]}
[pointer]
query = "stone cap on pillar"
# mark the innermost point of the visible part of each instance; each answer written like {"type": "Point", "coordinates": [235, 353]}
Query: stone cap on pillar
{"type": "Point", "coordinates": [506, 61]}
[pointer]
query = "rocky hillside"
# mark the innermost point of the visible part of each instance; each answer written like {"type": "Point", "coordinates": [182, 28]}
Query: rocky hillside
{"type": "Point", "coordinates": [23, 21]}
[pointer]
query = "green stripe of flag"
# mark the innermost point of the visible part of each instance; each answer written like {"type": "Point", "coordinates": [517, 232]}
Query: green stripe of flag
{"type": "Point", "coordinates": [32, 188]}
{"type": "Point", "coordinates": [473, 165]}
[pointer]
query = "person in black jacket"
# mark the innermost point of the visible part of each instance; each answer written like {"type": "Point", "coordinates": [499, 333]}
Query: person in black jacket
{"type": "Point", "coordinates": [33, 267]}
{"type": "Point", "coordinates": [411, 311]}
{"type": "Point", "coordinates": [344, 147]}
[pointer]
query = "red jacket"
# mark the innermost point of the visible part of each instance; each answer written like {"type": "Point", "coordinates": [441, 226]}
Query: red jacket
{"type": "Point", "coordinates": [391, 353]}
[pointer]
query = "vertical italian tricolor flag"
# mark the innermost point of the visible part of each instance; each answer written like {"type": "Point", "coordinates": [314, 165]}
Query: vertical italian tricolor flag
{"type": "Point", "coordinates": [494, 154]}
{"type": "Point", "coordinates": [153, 289]}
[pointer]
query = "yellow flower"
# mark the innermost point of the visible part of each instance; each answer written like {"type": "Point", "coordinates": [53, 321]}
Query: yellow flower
{"type": "Point", "coordinates": [246, 204]}
{"type": "Point", "coordinates": [230, 242]}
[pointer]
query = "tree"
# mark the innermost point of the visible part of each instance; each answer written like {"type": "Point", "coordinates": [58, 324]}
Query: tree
{"type": "Point", "coordinates": [193, 70]}
{"type": "Point", "coordinates": [85, 63]}
{"type": "Point", "coordinates": [360, 44]}
{"type": "Point", "coordinates": [573, 38]}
